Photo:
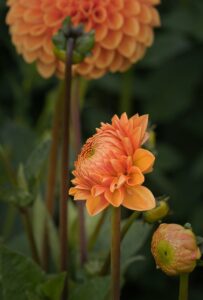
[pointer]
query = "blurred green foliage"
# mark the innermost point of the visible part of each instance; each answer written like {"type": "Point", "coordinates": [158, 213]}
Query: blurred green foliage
{"type": "Point", "coordinates": [167, 84]}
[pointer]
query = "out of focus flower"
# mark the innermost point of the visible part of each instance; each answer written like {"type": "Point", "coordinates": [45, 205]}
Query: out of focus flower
{"type": "Point", "coordinates": [111, 166]}
{"type": "Point", "coordinates": [123, 31]}
{"type": "Point", "coordinates": [175, 249]}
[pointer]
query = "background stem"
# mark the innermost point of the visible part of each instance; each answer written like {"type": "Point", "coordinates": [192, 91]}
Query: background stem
{"type": "Point", "coordinates": [52, 170]}
{"type": "Point", "coordinates": [95, 233]}
{"type": "Point", "coordinates": [75, 113]}
{"type": "Point", "coordinates": [29, 231]}
{"type": "Point", "coordinates": [115, 254]}
{"type": "Point", "coordinates": [65, 165]}
{"type": "Point", "coordinates": [183, 287]}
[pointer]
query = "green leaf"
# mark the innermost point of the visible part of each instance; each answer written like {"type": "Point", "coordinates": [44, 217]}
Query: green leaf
{"type": "Point", "coordinates": [39, 216]}
{"type": "Point", "coordinates": [134, 240]}
{"type": "Point", "coordinates": [37, 159]}
{"type": "Point", "coordinates": [53, 287]}
{"type": "Point", "coordinates": [96, 288]}
{"type": "Point", "coordinates": [19, 275]}
{"type": "Point", "coordinates": [16, 196]}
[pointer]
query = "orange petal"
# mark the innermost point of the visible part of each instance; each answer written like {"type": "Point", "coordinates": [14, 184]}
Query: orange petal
{"type": "Point", "coordinates": [139, 198]}
{"type": "Point", "coordinates": [135, 178]}
{"type": "Point", "coordinates": [115, 198]}
{"type": "Point", "coordinates": [79, 194]}
{"type": "Point", "coordinates": [96, 204]}
{"type": "Point", "coordinates": [143, 159]}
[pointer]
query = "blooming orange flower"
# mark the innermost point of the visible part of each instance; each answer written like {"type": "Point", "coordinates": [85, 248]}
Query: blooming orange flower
{"type": "Point", "coordinates": [123, 31]}
{"type": "Point", "coordinates": [111, 166]}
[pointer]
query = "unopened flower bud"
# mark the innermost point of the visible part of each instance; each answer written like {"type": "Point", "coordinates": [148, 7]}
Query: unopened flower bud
{"type": "Point", "coordinates": [158, 213]}
{"type": "Point", "coordinates": [175, 249]}
{"type": "Point", "coordinates": [84, 41]}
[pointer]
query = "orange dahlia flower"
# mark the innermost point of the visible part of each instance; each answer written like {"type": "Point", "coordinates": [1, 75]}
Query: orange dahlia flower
{"type": "Point", "coordinates": [123, 31]}
{"type": "Point", "coordinates": [111, 166]}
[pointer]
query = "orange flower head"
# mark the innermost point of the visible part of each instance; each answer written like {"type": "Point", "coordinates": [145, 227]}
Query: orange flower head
{"type": "Point", "coordinates": [111, 166]}
{"type": "Point", "coordinates": [123, 31]}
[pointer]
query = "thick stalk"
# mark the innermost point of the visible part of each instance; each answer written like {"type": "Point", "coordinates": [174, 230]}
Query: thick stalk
{"type": "Point", "coordinates": [124, 230]}
{"type": "Point", "coordinates": [65, 164]}
{"type": "Point", "coordinates": [75, 114]}
{"type": "Point", "coordinates": [115, 253]}
{"type": "Point", "coordinates": [30, 235]}
{"type": "Point", "coordinates": [52, 170]}
{"type": "Point", "coordinates": [183, 287]}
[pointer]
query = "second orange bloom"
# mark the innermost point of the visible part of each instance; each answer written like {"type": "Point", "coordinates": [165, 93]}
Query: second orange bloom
{"type": "Point", "coordinates": [111, 166]}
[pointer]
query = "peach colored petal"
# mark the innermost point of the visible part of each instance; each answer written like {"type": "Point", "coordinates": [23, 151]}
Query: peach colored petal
{"type": "Point", "coordinates": [96, 204]}
{"type": "Point", "coordinates": [115, 198]}
{"type": "Point", "coordinates": [135, 177]}
{"type": "Point", "coordinates": [143, 159]}
{"type": "Point", "coordinates": [139, 198]}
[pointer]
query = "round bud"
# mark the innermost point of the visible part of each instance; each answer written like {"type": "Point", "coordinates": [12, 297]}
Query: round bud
{"type": "Point", "coordinates": [175, 249]}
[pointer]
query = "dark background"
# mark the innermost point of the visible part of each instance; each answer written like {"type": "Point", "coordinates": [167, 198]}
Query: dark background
{"type": "Point", "coordinates": [167, 84]}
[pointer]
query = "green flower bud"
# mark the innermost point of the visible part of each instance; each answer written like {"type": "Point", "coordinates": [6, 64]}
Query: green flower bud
{"type": "Point", "coordinates": [84, 41]}
{"type": "Point", "coordinates": [175, 249]}
{"type": "Point", "coordinates": [158, 213]}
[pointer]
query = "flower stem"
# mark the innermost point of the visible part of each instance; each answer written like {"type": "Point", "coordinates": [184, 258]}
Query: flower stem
{"type": "Point", "coordinates": [115, 253]}
{"type": "Point", "coordinates": [126, 92]}
{"type": "Point", "coordinates": [65, 164]}
{"type": "Point", "coordinates": [183, 287]}
{"type": "Point", "coordinates": [105, 268]}
{"type": "Point", "coordinates": [75, 113]}
{"type": "Point", "coordinates": [30, 235]}
{"type": "Point", "coordinates": [51, 181]}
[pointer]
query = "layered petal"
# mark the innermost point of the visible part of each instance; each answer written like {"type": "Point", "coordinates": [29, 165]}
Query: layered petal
{"type": "Point", "coordinates": [143, 159]}
{"type": "Point", "coordinates": [139, 198]}
{"type": "Point", "coordinates": [96, 204]}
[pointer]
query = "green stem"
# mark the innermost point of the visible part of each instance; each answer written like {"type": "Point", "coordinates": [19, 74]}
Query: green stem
{"type": "Point", "coordinates": [52, 171]}
{"type": "Point", "coordinates": [65, 166]}
{"type": "Point", "coordinates": [115, 253]}
{"type": "Point", "coordinates": [126, 92]}
{"type": "Point", "coordinates": [75, 113]}
{"type": "Point", "coordinates": [105, 268]}
{"type": "Point", "coordinates": [95, 233]}
{"type": "Point", "coordinates": [183, 287]}
{"type": "Point", "coordinates": [30, 235]}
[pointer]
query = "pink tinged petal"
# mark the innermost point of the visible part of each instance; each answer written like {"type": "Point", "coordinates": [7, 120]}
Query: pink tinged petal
{"type": "Point", "coordinates": [115, 198]}
{"type": "Point", "coordinates": [96, 204]}
{"type": "Point", "coordinates": [117, 165]}
{"type": "Point", "coordinates": [127, 145]}
{"type": "Point", "coordinates": [137, 137]}
{"type": "Point", "coordinates": [144, 160]}
{"type": "Point", "coordinates": [139, 198]}
{"type": "Point", "coordinates": [121, 180]}
{"type": "Point", "coordinates": [141, 122]}
{"type": "Point", "coordinates": [135, 178]}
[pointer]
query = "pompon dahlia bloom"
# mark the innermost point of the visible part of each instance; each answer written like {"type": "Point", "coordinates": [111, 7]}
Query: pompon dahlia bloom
{"type": "Point", "coordinates": [111, 166]}
{"type": "Point", "coordinates": [123, 31]}
{"type": "Point", "coordinates": [175, 249]}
